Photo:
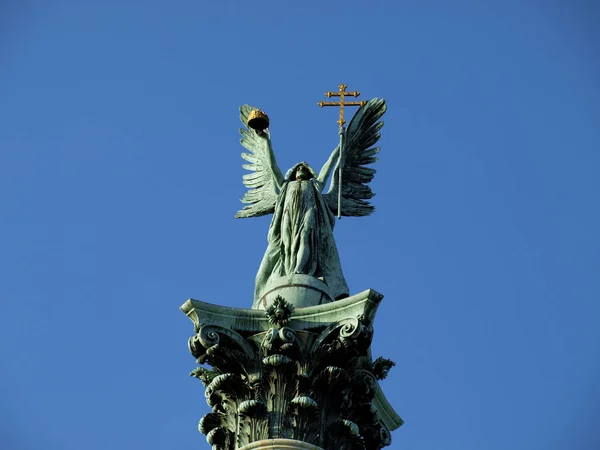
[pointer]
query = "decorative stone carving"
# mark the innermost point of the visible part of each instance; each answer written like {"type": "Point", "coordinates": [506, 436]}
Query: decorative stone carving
{"type": "Point", "coordinates": [304, 374]}
{"type": "Point", "coordinates": [280, 311]}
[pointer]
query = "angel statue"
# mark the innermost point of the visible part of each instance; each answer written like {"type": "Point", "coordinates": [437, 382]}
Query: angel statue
{"type": "Point", "coordinates": [300, 238]}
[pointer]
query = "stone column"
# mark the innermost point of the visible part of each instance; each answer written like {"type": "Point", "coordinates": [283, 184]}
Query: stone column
{"type": "Point", "coordinates": [287, 377]}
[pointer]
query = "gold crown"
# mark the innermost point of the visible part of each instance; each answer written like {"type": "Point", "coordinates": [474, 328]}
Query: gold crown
{"type": "Point", "coordinates": [258, 120]}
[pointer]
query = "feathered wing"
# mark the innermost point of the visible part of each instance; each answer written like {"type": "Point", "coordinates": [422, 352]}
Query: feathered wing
{"type": "Point", "coordinates": [361, 135]}
{"type": "Point", "coordinates": [261, 183]}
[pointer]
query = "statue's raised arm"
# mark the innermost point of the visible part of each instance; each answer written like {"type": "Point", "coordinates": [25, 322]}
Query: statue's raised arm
{"type": "Point", "coordinates": [357, 152]}
{"type": "Point", "coordinates": [328, 167]}
{"type": "Point", "coordinates": [265, 183]}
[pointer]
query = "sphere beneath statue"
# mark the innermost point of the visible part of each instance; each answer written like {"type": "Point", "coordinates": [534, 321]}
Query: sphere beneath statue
{"type": "Point", "coordinates": [298, 289]}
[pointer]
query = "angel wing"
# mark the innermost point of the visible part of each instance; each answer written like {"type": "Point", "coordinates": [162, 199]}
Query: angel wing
{"type": "Point", "coordinates": [265, 180]}
{"type": "Point", "coordinates": [362, 133]}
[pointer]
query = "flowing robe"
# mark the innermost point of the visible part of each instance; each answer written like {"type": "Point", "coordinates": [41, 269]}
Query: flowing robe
{"type": "Point", "coordinates": [301, 239]}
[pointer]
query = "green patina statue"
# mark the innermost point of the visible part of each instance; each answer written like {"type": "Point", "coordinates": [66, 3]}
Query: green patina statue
{"type": "Point", "coordinates": [300, 238]}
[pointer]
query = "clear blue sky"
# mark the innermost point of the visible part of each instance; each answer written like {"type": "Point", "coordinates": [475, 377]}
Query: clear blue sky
{"type": "Point", "coordinates": [120, 175]}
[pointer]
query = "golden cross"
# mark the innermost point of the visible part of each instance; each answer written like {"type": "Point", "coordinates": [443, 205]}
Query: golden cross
{"type": "Point", "coordinates": [341, 103]}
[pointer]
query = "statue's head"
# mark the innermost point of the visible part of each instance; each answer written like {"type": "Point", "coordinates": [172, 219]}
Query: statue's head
{"type": "Point", "coordinates": [301, 171]}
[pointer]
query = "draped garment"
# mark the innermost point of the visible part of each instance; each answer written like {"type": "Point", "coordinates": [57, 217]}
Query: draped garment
{"type": "Point", "coordinates": [301, 239]}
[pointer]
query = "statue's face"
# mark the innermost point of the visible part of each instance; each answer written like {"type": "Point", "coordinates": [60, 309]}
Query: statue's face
{"type": "Point", "coordinates": [302, 173]}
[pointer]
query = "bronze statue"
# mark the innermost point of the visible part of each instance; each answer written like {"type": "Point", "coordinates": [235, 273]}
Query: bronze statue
{"type": "Point", "coordinates": [300, 238]}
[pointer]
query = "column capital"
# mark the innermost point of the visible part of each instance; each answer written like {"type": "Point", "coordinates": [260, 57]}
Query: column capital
{"type": "Point", "coordinates": [292, 376]}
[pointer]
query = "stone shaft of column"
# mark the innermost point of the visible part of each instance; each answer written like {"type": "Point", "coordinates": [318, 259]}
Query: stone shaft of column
{"type": "Point", "coordinates": [279, 444]}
